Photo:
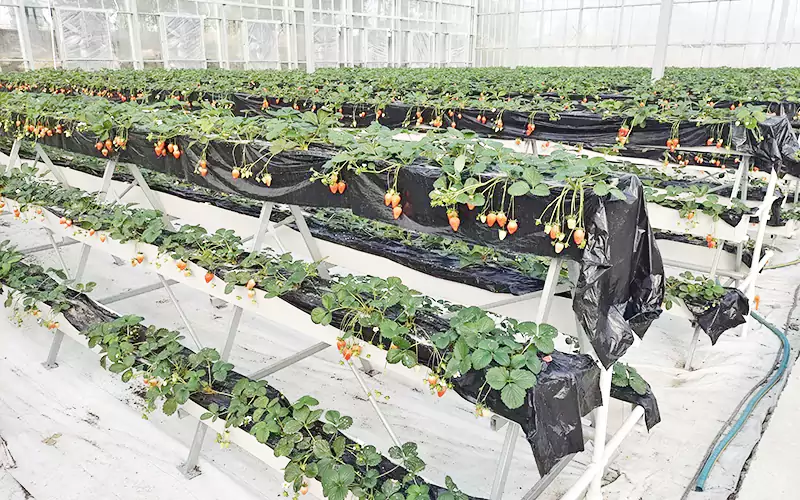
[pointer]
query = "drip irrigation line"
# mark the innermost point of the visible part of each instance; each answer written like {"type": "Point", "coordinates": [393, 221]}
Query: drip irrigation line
{"type": "Point", "coordinates": [749, 402]}
{"type": "Point", "coordinates": [784, 264]}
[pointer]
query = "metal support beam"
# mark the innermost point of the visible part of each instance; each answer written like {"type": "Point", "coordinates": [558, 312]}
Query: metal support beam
{"type": "Point", "coordinates": [550, 284]}
{"type": "Point", "coordinates": [232, 329]}
{"type": "Point", "coordinates": [133, 293]}
{"type": "Point", "coordinates": [182, 314]}
{"type": "Point", "coordinates": [311, 244]}
{"type": "Point", "coordinates": [189, 467]}
{"type": "Point", "coordinates": [288, 361]}
{"type": "Point", "coordinates": [777, 50]}
{"type": "Point", "coordinates": [54, 169]}
{"type": "Point", "coordinates": [55, 345]}
{"type": "Point", "coordinates": [374, 403]}
{"type": "Point", "coordinates": [504, 464]}
{"type": "Point", "coordinates": [662, 39]}
{"type": "Point", "coordinates": [14, 156]}
{"type": "Point", "coordinates": [48, 246]}
{"type": "Point", "coordinates": [150, 195]}
{"type": "Point", "coordinates": [599, 442]}
{"type": "Point", "coordinates": [546, 480]}
{"type": "Point", "coordinates": [58, 252]}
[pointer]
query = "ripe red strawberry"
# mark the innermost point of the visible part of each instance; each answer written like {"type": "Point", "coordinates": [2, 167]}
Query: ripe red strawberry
{"type": "Point", "coordinates": [209, 276]}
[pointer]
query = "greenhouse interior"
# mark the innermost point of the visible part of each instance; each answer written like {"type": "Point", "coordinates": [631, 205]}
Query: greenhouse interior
{"type": "Point", "coordinates": [399, 249]}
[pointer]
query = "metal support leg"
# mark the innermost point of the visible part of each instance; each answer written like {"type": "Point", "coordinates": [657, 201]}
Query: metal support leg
{"type": "Point", "coordinates": [692, 348]}
{"type": "Point", "coordinates": [150, 195]}
{"type": "Point", "coordinates": [55, 169]}
{"type": "Point", "coordinates": [55, 345]}
{"type": "Point", "coordinates": [550, 283]}
{"type": "Point", "coordinates": [374, 403]}
{"type": "Point", "coordinates": [82, 261]}
{"type": "Point", "coordinates": [58, 252]}
{"type": "Point", "coordinates": [546, 480]}
{"type": "Point", "coordinates": [127, 190]}
{"type": "Point", "coordinates": [504, 464]}
{"type": "Point", "coordinates": [599, 441]}
{"type": "Point", "coordinates": [232, 329]}
{"type": "Point", "coordinates": [696, 335]}
{"type": "Point", "coordinates": [288, 361]}
{"type": "Point", "coordinates": [14, 157]}
{"type": "Point", "coordinates": [796, 190]}
{"type": "Point", "coordinates": [311, 244]}
{"type": "Point", "coordinates": [189, 468]}
{"type": "Point", "coordinates": [265, 227]}
{"type": "Point", "coordinates": [750, 291]}
{"type": "Point", "coordinates": [182, 314]}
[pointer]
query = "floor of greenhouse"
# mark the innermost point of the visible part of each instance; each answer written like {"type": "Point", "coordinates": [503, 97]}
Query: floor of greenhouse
{"type": "Point", "coordinates": [77, 432]}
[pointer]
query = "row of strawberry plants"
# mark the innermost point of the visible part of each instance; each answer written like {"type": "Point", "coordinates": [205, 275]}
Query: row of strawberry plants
{"type": "Point", "coordinates": [490, 90]}
{"type": "Point", "coordinates": [311, 438]}
{"type": "Point", "coordinates": [402, 323]}
{"type": "Point", "coordinates": [340, 226]}
{"type": "Point", "coordinates": [385, 313]}
{"type": "Point", "coordinates": [475, 174]}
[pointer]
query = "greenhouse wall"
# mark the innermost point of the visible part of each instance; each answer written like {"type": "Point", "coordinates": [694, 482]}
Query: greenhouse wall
{"type": "Point", "coordinates": [738, 33]}
{"type": "Point", "coordinates": [309, 34]}
{"type": "Point", "coordinates": [251, 34]}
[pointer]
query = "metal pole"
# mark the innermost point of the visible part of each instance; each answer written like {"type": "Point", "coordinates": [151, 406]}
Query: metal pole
{"type": "Point", "coordinates": [288, 361]}
{"type": "Point", "coordinates": [183, 316]}
{"type": "Point", "coordinates": [58, 252]}
{"type": "Point", "coordinates": [134, 31]}
{"type": "Point", "coordinates": [513, 33]}
{"type": "Point", "coordinates": [47, 246]}
{"type": "Point", "coordinates": [12, 160]}
{"type": "Point", "coordinates": [56, 170]}
{"type": "Point", "coordinates": [55, 345]}
{"type": "Point", "coordinates": [374, 403]}
{"type": "Point", "coordinates": [308, 25]}
{"type": "Point", "coordinates": [189, 468]}
{"type": "Point", "coordinates": [692, 348]}
{"type": "Point", "coordinates": [232, 329]}
{"type": "Point", "coordinates": [776, 52]}
{"type": "Point", "coordinates": [599, 441]}
{"type": "Point", "coordinates": [151, 197]}
{"type": "Point", "coordinates": [550, 283]}
{"type": "Point", "coordinates": [662, 39]}
{"type": "Point", "coordinates": [504, 464]}
{"type": "Point", "coordinates": [578, 34]}
{"type": "Point", "coordinates": [311, 244]}
{"type": "Point", "coordinates": [546, 480]}
{"type": "Point", "coordinates": [24, 37]}
{"type": "Point", "coordinates": [133, 293]}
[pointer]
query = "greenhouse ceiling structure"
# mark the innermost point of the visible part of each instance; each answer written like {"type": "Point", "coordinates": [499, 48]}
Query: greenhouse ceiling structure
{"type": "Point", "coordinates": [309, 34]}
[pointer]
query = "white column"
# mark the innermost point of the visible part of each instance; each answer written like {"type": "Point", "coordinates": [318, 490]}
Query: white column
{"type": "Point", "coordinates": [513, 33]}
{"type": "Point", "coordinates": [134, 31]}
{"type": "Point", "coordinates": [662, 38]}
{"type": "Point", "coordinates": [777, 51]}
{"type": "Point", "coordinates": [308, 24]}
{"type": "Point", "coordinates": [24, 36]}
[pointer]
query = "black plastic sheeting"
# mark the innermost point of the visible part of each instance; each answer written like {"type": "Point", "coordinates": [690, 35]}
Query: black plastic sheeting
{"type": "Point", "coordinates": [621, 282]}
{"type": "Point", "coordinates": [730, 312]}
{"type": "Point", "coordinates": [582, 126]}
